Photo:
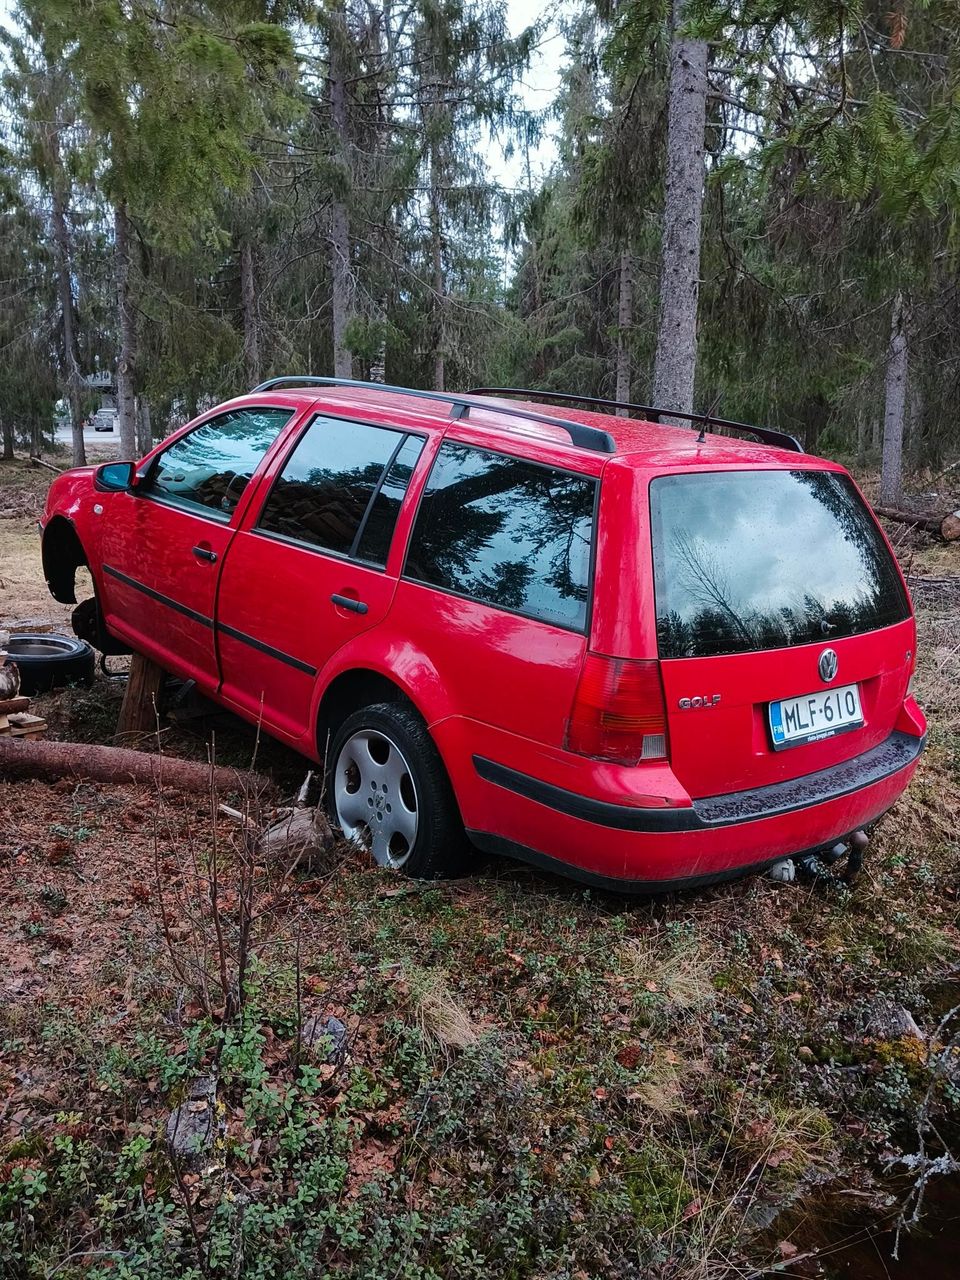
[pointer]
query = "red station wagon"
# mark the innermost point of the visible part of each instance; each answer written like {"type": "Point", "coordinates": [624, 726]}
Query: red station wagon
{"type": "Point", "coordinates": [639, 654]}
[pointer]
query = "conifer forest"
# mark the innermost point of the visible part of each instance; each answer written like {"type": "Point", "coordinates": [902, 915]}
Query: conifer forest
{"type": "Point", "coordinates": [236, 1041]}
{"type": "Point", "coordinates": [748, 208]}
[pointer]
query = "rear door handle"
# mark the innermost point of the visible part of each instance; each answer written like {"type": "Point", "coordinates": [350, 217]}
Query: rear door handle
{"type": "Point", "coordinates": [345, 602]}
{"type": "Point", "coordinates": [204, 553]}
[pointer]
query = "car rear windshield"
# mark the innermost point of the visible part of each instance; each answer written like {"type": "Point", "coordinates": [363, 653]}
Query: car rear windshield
{"type": "Point", "coordinates": [748, 560]}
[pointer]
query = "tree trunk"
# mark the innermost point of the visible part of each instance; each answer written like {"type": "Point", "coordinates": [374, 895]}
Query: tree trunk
{"type": "Point", "coordinates": [21, 758]}
{"type": "Point", "coordinates": [436, 260]}
{"type": "Point", "coordinates": [7, 439]}
{"type": "Point", "coordinates": [676, 357]}
{"type": "Point", "coordinates": [340, 266]}
{"type": "Point", "coordinates": [624, 325]}
{"type": "Point", "coordinates": [126, 361]}
{"type": "Point", "coordinates": [891, 475]}
{"type": "Point", "coordinates": [64, 264]}
{"type": "Point", "coordinates": [144, 427]}
{"type": "Point", "coordinates": [251, 316]}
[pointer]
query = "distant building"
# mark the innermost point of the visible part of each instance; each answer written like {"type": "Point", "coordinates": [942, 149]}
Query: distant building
{"type": "Point", "coordinates": [106, 383]}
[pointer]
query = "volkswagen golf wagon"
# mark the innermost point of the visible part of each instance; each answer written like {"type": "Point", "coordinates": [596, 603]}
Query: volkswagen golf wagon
{"type": "Point", "coordinates": [644, 654]}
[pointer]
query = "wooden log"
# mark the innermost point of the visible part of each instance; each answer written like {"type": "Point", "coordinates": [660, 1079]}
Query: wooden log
{"type": "Point", "coordinates": [921, 520]}
{"type": "Point", "coordinates": [142, 697]}
{"type": "Point", "coordinates": [39, 462]}
{"type": "Point", "coordinates": [950, 527]}
{"type": "Point", "coordinates": [51, 761]}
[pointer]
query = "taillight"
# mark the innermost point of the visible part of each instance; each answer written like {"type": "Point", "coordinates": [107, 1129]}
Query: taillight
{"type": "Point", "coordinates": [618, 711]}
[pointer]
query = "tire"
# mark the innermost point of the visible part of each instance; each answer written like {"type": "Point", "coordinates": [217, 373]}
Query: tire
{"type": "Point", "coordinates": [388, 791]}
{"type": "Point", "coordinates": [87, 622]}
{"type": "Point", "coordinates": [50, 661]}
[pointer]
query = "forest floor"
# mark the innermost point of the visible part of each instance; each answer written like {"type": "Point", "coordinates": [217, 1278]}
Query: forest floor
{"type": "Point", "coordinates": [538, 1080]}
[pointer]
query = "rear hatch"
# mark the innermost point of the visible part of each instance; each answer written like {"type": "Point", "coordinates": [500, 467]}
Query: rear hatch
{"type": "Point", "coordinates": [784, 630]}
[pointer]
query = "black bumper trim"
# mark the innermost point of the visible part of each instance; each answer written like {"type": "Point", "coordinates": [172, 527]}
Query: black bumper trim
{"type": "Point", "coordinates": [895, 753]}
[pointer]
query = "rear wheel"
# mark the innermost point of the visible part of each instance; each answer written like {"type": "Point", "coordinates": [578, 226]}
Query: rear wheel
{"type": "Point", "coordinates": [388, 791]}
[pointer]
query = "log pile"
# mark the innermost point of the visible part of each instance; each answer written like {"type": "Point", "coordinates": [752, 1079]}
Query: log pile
{"type": "Point", "coordinates": [947, 527]}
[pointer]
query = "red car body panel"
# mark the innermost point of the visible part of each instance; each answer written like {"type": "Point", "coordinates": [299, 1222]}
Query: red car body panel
{"type": "Point", "coordinates": [257, 628]}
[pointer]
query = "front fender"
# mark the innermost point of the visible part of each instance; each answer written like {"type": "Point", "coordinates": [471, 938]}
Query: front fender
{"type": "Point", "coordinates": [65, 538]}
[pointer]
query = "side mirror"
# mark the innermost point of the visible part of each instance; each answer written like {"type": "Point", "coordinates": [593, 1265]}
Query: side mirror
{"type": "Point", "coordinates": [116, 477]}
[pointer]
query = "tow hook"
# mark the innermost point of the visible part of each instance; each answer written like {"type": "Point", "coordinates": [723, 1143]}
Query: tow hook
{"type": "Point", "coordinates": [816, 867]}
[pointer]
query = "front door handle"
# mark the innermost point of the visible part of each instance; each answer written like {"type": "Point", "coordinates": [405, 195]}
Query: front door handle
{"type": "Point", "coordinates": [345, 602]}
{"type": "Point", "coordinates": [204, 553]}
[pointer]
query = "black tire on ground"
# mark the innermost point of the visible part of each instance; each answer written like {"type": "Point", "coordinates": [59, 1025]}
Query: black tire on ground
{"type": "Point", "coordinates": [50, 661]}
{"type": "Point", "coordinates": [385, 780]}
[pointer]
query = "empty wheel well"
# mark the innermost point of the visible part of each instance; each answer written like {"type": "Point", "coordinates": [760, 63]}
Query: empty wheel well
{"type": "Point", "coordinates": [348, 692]}
{"type": "Point", "coordinates": [63, 555]}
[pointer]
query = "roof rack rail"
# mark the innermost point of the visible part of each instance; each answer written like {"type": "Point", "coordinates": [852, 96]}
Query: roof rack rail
{"type": "Point", "coordinates": [767, 435]}
{"type": "Point", "coordinates": [584, 437]}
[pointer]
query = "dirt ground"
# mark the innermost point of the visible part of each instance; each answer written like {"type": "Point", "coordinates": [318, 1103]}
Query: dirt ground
{"type": "Point", "coordinates": [537, 1080]}
{"type": "Point", "coordinates": [25, 602]}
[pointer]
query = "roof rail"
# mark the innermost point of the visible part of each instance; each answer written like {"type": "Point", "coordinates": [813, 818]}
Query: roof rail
{"type": "Point", "coordinates": [582, 436]}
{"type": "Point", "coordinates": [767, 435]}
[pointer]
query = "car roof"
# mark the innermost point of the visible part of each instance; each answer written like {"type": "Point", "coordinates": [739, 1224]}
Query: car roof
{"type": "Point", "coordinates": [636, 442]}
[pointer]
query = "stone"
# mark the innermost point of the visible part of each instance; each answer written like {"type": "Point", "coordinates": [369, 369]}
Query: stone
{"type": "Point", "coordinates": [190, 1127]}
{"type": "Point", "coordinates": [326, 1037]}
{"type": "Point", "coordinates": [890, 1021]}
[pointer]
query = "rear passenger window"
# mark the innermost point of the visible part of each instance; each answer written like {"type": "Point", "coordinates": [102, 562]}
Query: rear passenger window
{"type": "Point", "coordinates": [341, 488]}
{"type": "Point", "coordinates": [507, 532]}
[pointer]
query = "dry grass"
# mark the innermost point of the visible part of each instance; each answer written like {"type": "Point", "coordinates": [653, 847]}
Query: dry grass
{"type": "Point", "coordinates": [682, 976]}
{"type": "Point", "coordinates": [25, 602]}
{"type": "Point", "coordinates": [442, 1019]}
{"type": "Point", "coordinates": [937, 680]}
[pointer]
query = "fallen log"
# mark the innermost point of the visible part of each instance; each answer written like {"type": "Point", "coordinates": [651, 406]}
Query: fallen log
{"type": "Point", "coordinates": [918, 519]}
{"type": "Point", "coordinates": [39, 462]}
{"type": "Point", "coordinates": [948, 526]}
{"type": "Point", "coordinates": [51, 761]}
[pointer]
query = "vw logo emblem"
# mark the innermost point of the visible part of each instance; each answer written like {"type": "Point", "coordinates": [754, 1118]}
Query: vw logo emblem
{"type": "Point", "coordinates": [828, 665]}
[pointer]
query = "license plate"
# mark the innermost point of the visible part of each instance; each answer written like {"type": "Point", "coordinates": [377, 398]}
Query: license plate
{"type": "Point", "coordinates": [794, 721]}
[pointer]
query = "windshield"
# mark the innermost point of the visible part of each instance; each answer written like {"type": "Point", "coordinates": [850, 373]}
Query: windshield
{"type": "Point", "coordinates": [748, 560]}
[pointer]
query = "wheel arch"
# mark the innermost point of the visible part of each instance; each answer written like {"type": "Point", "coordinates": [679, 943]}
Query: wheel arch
{"type": "Point", "coordinates": [62, 554]}
{"type": "Point", "coordinates": [365, 681]}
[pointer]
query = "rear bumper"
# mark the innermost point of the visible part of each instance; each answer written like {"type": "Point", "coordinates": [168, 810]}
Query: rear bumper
{"type": "Point", "coordinates": [898, 752]}
{"type": "Point", "coordinates": [656, 849]}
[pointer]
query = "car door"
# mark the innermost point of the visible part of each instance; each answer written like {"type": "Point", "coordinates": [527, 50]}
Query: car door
{"type": "Point", "coordinates": [307, 570]}
{"type": "Point", "coordinates": [165, 541]}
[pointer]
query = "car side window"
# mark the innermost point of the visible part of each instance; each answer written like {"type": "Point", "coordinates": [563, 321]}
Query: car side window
{"type": "Point", "coordinates": [508, 532]}
{"type": "Point", "coordinates": [341, 488]}
{"type": "Point", "coordinates": [211, 466]}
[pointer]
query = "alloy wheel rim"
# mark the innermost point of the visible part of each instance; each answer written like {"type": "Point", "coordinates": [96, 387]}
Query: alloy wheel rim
{"type": "Point", "coordinates": [375, 797]}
